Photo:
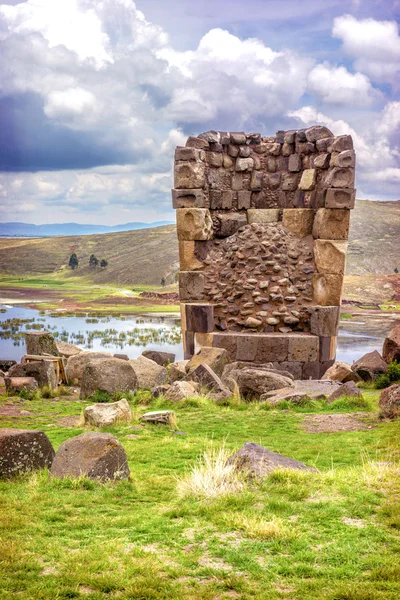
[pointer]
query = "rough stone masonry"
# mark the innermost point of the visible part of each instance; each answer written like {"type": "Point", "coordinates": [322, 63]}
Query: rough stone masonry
{"type": "Point", "coordinates": [262, 226]}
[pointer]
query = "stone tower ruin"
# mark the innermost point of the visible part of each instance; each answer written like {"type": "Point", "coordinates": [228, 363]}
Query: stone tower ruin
{"type": "Point", "coordinates": [262, 226]}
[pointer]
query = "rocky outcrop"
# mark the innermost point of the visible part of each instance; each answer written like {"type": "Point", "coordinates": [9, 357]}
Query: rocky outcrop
{"type": "Point", "coordinates": [40, 343]}
{"type": "Point", "coordinates": [104, 415]}
{"type": "Point", "coordinates": [258, 461]}
{"type": "Point", "coordinates": [341, 372]}
{"type": "Point", "coordinates": [210, 382]}
{"type": "Point", "coordinates": [177, 370]}
{"type": "Point", "coordinates": [94, 455]}
{"type": "Point", "coordinates": [77, 363]}
{"type": "Point", "coordinates": [149, 373]}
{"type": "Point", "coordinates": [23, 450]}
{"type": "Point", "coordinates": [389, 402]}
{"type": "Point", "coordinates": [161, 358]}
{"type": "Point", "coordinates": [391, 345]}
{"type": "Point", "coordinates": [302, 390]}
{"type": "Point", "coordinates": [370, 366]}
{"type": "Point", "coordinates": [108, 375]}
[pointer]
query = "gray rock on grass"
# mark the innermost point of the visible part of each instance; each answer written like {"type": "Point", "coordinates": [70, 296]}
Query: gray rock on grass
{"type": "Point", "coordinates": [23, 450]}
{"type": "Point", "coordinates": [149, 373]}
{"type": "Point", "coordinates": [257, 461]}
{"type": "Point", "coordinates": [106, 414]}
{"type": "Point", "coordinates": [108, 375]}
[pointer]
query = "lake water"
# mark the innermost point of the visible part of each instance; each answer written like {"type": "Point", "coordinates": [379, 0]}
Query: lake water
{"type": "Point", "coordinates": [132, 334]}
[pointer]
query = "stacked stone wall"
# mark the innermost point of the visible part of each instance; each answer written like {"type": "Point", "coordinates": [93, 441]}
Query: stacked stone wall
{"type": "Point", "coordinates": [262, 226]}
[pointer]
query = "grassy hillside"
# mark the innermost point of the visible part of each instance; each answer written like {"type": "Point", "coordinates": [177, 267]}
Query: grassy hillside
{"type": "Point", "coordinates": [148, 255]}
{"type": "Point", "coordinates": [144, 256]}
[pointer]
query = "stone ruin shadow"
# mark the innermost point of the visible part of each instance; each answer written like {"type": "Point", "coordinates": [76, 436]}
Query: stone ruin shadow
{"type": "Point", "coordinates": [262, 225]}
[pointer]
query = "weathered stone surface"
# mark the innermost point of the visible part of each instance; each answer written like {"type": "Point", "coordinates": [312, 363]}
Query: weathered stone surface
{"type": "Point", "coordinates": [308, 180]}
{"type": "Point", "coordinates": [263, 215]}
{"type": "Point", "coordinates": [177, 370]}
{"type": "Point", "coordinates": [330, 256]}
{"type": "Point", "coordinates": [229, 223]}
{"type": "Point", "coordinates": [255, 381]}
{"type": "Point", "coordinates": [108, 375]}
{"type": "Point", "coordinates": [244, 198]}
{"type": "Point", "coordinates": [42, 371]}
{"type": "Point", "coordinates": [159, 417]}
{"type": "Point", "coordinates": [215, 358]}
{"type": "Point", "coordinates": [191, 285]}
{"type": "Point", "coordinates": [40, 342]}
{"type": "Point", "coordinates": [194, 224]}
{"type": "Point", "coordinates": [199, 317]}
{"type": "Point", "coordinates": [23, 450]}
{"type": "Point", "coordinates": [259, 462]}
{"type": "Point", "coordinates": [331, 224]}
{"type": "Point", "coordinates": [340, 143]}
{"type": "Point", "coordinates": [180, 390]}
{"type": "Point", "coordinates": [295, 163]}
{"type": "Point", "coordinates": [148, 372]}
{"type": "Point", "coordinates": [121, 356]}
{"type": "Point", "coordinates": [190, 198]}
{"type": "Point", "coordinates": [5, 364]}
{"type": "Point", "coordinates": [298, 220]}
{"type": "Point", "coordinates": [327, 289]}
{"type": "Point", "coordinates": [339, 178]}
{"type": "Point", "coordinates": [369, 366]}
{"type": "Point", "coordinates": [209, 380]}
{"type": "Point", "coordinates": [389, 402]}
{"type": "Point", "coordinates": [321, 161]}
{"type": "Point", "coordinates": [94, 455]}
{"type": "Point", "coordinates": [77, 363]}
{"type": "Point", "coordinates": [348, 389]}
{"type": "Point", "coordinates": [189, 175]}
{"type": "Point", "coordinates": [347, 158]}
{"type": "Point", "coordinates": [391, 345]}
{"type": "Point", "coordinates": [106, 414]}
{"type": "Point", "coordinates": [317, 132]}
{"type": "Point", "coordinates": [15, 385]}
{"type": "Point", "coordinates": [161, 358]}
{"type": "Point", "coordinates": [190, 154]}
{"type": "Point", "coordinates": [196, 142]}
{"type": "Point", "coordinates": [340, 198]}
{"type": "Point", "coordinates": [66, 350]}
{"type": "Point", "coordinates": [303, 347]}
{"type": "Point", "coordinates": [187, 256]}
{"type": "Point", "coordinates": [324, 320]}
{"type": "Point", "coordinates": [301, 390]}
{"type": "Point", "coordinates": [244, 164]}
{"type": "Point", "coordinates": [341, 372]}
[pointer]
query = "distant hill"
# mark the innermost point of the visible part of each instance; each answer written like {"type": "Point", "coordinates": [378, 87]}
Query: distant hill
{"type": "Point", "coordinates": [30, 230]}
{"type": "Point", "coordinates": [145, 256]}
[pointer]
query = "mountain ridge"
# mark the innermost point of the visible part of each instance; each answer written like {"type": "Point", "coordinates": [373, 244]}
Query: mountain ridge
{"type": "Point", "coordinates": [21, 229]}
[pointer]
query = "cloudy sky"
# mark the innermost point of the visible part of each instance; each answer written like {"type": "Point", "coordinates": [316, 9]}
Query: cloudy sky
{"type": "Point", "coordinates": [96, 94]}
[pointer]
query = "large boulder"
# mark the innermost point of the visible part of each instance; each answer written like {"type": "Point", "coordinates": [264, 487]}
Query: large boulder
{"type": "Point", "coordinates": [23, 450]}
{"type": "Point", "coordinates": [67, 350]}
{"type": "Point", "coordinates": [257, 461]}
{"type": "Point", "coordinates": [389, 402]}
{"type": "Point", "coordinates": [148, 372]}
{"type": "Point", "coordinates": [253, 382]}
{"type": "Point", "coordinates": [104, 415]}
{"type": "Point", "coordinates": [342, 372]}
{"type": "Point", "coordinates": [180, 390]}
{"type": "Point", "coordinates": [94, 455]}
{"type": "Point", "coordinates": [391, 345]}
{"type": "Point", "coordinates": [42, 371]}
{"type": "Point", "coordinates": [216, 358]}
{"type": "Point", "coordinates": [15, 385]}
{"type": "Point", "coordinates": [177, 370]}
{"type": "Point", "coordinates": [348, 390]}
{"type": "Point", "coordinates": [310, 389]}
{"type": "Point", "coordinates": [40, 343]}
{"type": "Point", "coordinates": [77, 363]}
{"type": "Point", "coordinates": [161, 358]}
{"type": "Point", "coordinates": [370, 366]}
{"type": "Point", "coordinates": [108, 375]}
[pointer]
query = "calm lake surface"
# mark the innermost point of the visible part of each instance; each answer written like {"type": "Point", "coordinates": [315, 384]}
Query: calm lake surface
{"type": "Point", "coordinates": [132, 334]}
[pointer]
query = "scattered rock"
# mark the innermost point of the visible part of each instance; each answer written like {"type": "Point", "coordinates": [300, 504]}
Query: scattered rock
{"type": "Point", "coordinates": [161, 358]}
{"type": "Point", "coordinates": [389, 402]}
{"type": "Point", "coordinates": [15, 385]}
{"type": "Point", "coordinates": [23, 450]}
{"type": "Point", "coordinates": [149, 373]}
{"type": "Point", "coordinates": [160, 390]}
{"type": "Point", "coordinates": [103, 415]}
{"type": "Point", "coordinates": [253, 382]}
{"type": "Point", "coordinates": [259, 461]}
{"type": "Point", "coordinates": [159, 417]}
{"type": "Point", "coordinates": [42, 371]}
{"type": "Point", "coordinates": [40, 343]}
{"type": "Point", "coordinates": [205, 376]}
{"type": "Point", "coordinates": [391, 345]}
{"type": "Point", "coordinates": [94, 455]}
{"type": "Point", "coordinates": [180, 390]}
{"type": "Point", "coordinates": [370, 366]}
{"type": "Point", "coordinates": [342, 372]}
{"type": "Point", "coordinates": [216, 358]}
{"type": "Point", "coordinates": [67, 350]}
{"type": "Point", "coordinates": [177, 370]}
{"type": "Point", "coordinates": [77, 363]}
{"type": "Point", "coordinates": [302, 389]}
{"type": "Point", "coordinates": [348, 389]}
{"type": "Point", "coordinates": [108, 375]}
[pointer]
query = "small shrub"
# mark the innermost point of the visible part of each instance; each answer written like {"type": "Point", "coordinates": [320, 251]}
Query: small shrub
{"type": "Point", "coordinates": [345, 316]}
{"type": "Point", "coordinates": [383, 381]}
{"type": "Point", "coordinates": [393, 371]}
{"type": "Point", "coordinates": [47, 392]}
{"type": "Point", "coordinates": [351, 403]}
{"type": "Point", "coordinates": [100, 396]}
{"type": "Point", "coordinates": [30, 395]}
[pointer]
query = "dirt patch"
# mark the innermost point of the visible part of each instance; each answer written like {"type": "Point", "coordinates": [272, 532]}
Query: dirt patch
{"type": "Point", "coordinates": [11, 410]}
{"type": "Point", "coordinates": [69, 422]}
{"type": "Point", "coordinates": [336, 422]}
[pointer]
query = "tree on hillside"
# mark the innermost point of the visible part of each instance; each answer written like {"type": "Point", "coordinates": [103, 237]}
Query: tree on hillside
{"type": "Point", "coordinates": [93, 261]}
{"type": "Point", "coordinates": [163, 282]}
{"type": "Point", "coordinates": [104, 263]}
{"type": "Point", "coordinates": [396, 270]}
{"type": "Point", "coordinates": [73, 261]}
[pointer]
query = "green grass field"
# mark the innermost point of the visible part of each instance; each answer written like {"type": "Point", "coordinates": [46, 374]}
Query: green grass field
{"type": "Point", "coordinates": [299, 535]}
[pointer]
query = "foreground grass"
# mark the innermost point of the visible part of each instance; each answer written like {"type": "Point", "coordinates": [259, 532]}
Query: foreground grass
{"type": "Point", "coordinates": [299, 535]}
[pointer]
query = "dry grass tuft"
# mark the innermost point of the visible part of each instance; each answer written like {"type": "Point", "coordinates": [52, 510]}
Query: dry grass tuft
{"type": "Point", "coordinates": [211, 477]}
{"type": "Point", "coordinates": [258, 528]}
